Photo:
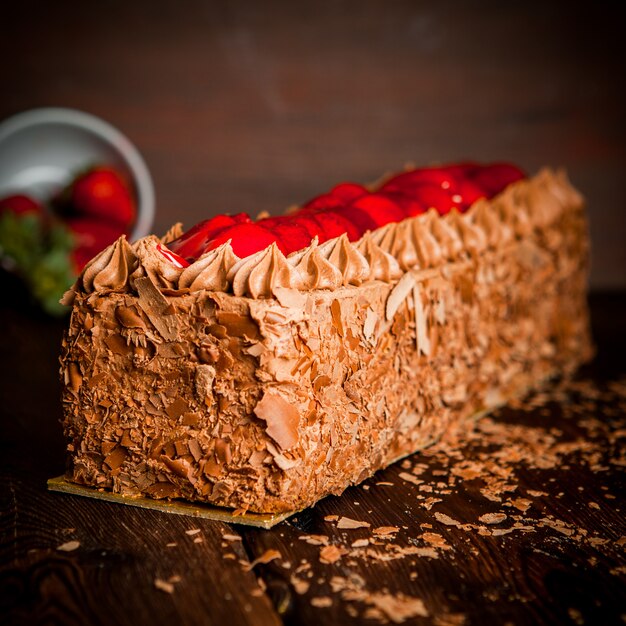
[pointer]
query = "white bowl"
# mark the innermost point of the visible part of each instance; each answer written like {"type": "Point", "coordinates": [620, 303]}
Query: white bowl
{"type": "Point", "coordinates": [41, 150]}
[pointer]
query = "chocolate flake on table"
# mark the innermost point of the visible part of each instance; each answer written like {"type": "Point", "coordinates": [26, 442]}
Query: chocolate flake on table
{"type": "Point", "coordinates": [268, 556]}
{"type": "Point", "coordinates": [315, 540]}
{"type": "Point", "coordinates": [492, 518]}
{"type": "Point", "coordinates": [446, 519]}
{"type": "Point", "coordinates": [346, 523]}
{"type": "Point", "coordinates": [69, 546]}
{"type": "Point", "coordinates": [378, 605]}
{"type": "Point", "coordinates": [167, 585]}
{"type": "Point", "coordinates": [385, 531]}
{"type": "Point", "coordinates": [331, 553]}
{"type": "Point", "coordinates": [410, 478]}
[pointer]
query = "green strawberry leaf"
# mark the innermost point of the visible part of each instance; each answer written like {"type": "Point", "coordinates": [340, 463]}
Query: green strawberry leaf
{"type": "Point", "coordinates": [40, 255]}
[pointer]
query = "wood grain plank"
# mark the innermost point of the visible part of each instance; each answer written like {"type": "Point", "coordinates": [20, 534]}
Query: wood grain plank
{"type": "Point", "coordinates": [65, 559]}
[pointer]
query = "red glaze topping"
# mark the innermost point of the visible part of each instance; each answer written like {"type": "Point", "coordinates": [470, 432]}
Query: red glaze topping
{"type": "Point", "coordinates": [352, 209]}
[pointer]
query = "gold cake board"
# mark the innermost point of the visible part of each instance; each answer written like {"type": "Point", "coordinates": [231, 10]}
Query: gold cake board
{"type": "Point", "coordinates": [176, 507]}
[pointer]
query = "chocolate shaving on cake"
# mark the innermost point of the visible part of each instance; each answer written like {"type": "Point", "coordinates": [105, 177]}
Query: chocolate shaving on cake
{"type": "Point", "coordinates": [157, 308]}
{"type": "Point", "coordinates": [281, 417]}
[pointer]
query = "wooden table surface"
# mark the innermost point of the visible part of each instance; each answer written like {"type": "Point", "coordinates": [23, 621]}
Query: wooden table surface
{"type": "Point", "coordinates": [522, 522]}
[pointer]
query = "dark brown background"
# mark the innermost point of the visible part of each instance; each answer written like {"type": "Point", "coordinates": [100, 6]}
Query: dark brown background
{"type": "Point", "coordinates": [257, 105]}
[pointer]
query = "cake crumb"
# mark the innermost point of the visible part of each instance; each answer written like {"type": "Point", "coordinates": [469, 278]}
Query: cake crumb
{"type": "Point", "coordinates": [321, 602]}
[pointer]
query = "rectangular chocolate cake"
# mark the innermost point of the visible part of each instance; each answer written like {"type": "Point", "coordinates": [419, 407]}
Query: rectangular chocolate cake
{"type": "Point", "coordinates": [267, 382]}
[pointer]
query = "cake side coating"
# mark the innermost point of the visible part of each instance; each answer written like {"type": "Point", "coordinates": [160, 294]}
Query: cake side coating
{"type": "Point", "coordinates": [268, 394]}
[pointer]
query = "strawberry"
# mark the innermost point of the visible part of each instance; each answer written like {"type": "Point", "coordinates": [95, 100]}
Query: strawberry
{"type": "Point", "coordinates": [466, 193]}
{"type": "Point", "coordinates": [246, 239]}
{"type": "Point", "coordinates": [361, 219]}
{"type": "Point", "coordinates": [462, 170]}
{"type": "Point", "coordinates": [325, 201]}
{"type": "Point", "coordinates": [380, 208]}
{"type": "Point", "coordinates": [406, 201]}
{"type": "Point", "coordinates": [350, 208]}
{"type": "Point", "coordinates": [333, 224]}
{"type": "Point", "coordinates": [192, 244]}
{"type": "Point", "coordinates": [494, 178]}
{"type": "Point", "coordinates": [101, 193]}
{"type": "Point", "coordinates": [434, 176]}
{"type": "Point", "coordinates": [291, 234]}
{"type": "Point", "coordinates": [91, 235]}
{"type": "Point", "coordinates": [434, 196]}
{"type": "Point", "coordinates": [172, 257]}
{"type": "Point", "coordinates": [346, 192]}
{"type": "Point", "coordinates": [20, 204]}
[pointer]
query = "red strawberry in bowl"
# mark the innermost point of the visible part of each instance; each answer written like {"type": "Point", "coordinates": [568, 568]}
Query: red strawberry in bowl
{"type": "Point", "coordinates": [20, 204]}
{"type": "Point", "coordinates": [101, 193]}
{"type": "Point", "coordinates": [91, 237]}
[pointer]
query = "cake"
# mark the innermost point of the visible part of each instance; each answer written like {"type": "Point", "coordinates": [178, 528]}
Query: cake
{"type": "Point", "coordinates": [261, 365]}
